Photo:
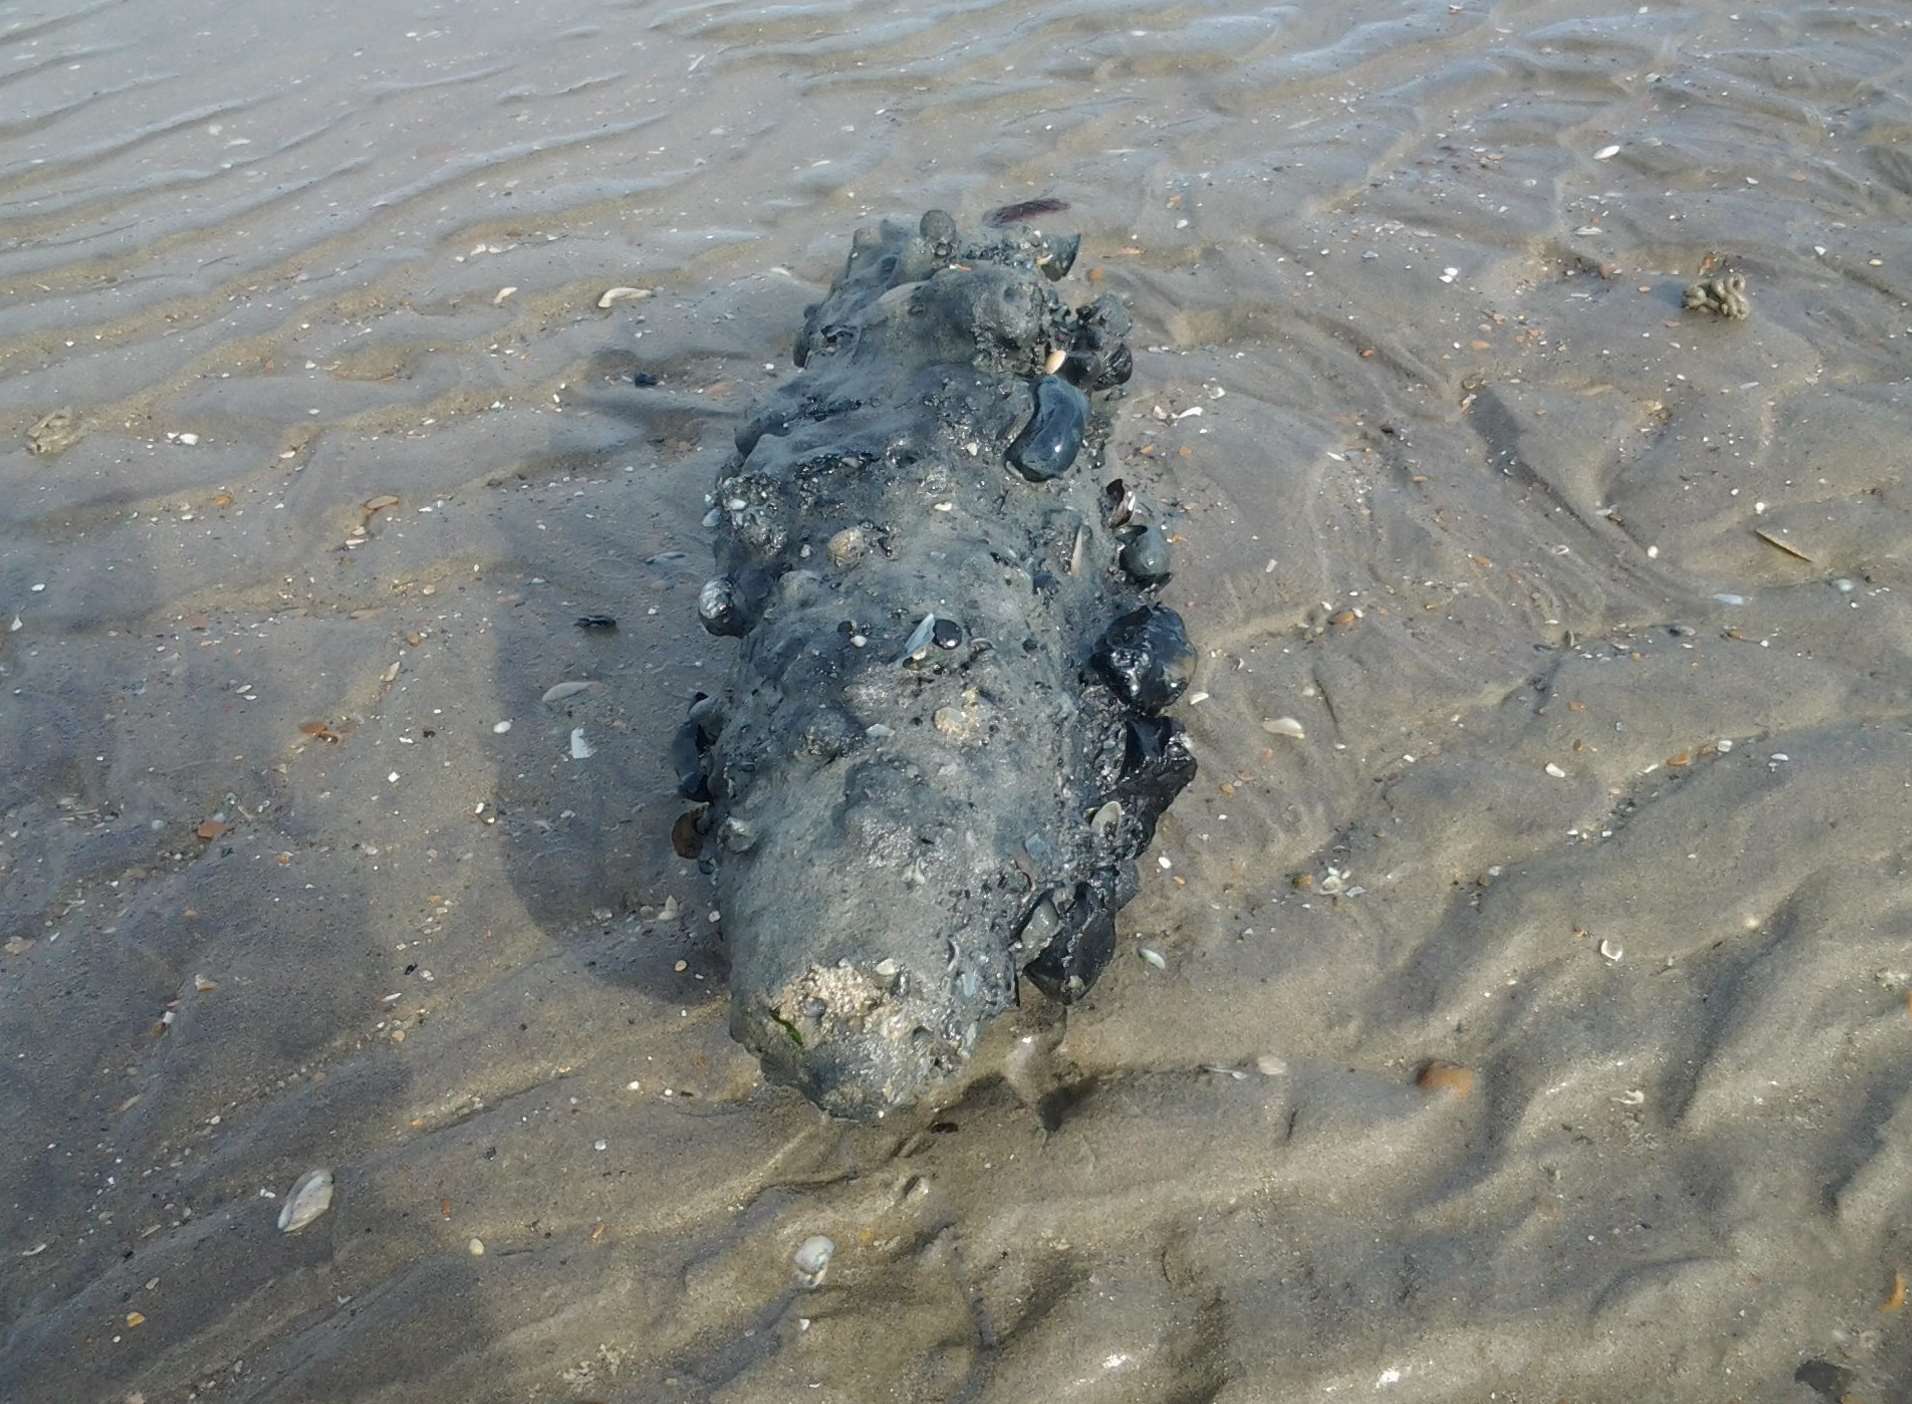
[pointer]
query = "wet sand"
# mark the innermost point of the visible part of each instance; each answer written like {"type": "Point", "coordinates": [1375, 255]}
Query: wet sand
{"type": "Point", "coordinates": [1603, 801]}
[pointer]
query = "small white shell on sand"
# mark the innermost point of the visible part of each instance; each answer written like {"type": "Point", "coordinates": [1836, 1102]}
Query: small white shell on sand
{"type": "Point", "coordinates": [580, 748]}
{"type": "Point", "coordinates": [1152, 956]}
{"type": "Point", "coordinates": [564, 690]}
{"type": "Point", "coordinates": [619, 294]}
{"type": "Point", "coordinates": [502, 294]}
{"type": "Point", "coordinates": [1556, 771]}
{"type": "Point", "coordinates": [309, 1197]}
{"type": "Point", "coordinates": [1606, 153]}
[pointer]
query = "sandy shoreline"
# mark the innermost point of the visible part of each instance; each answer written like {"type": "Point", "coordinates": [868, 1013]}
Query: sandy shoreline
{"type": "Point", "coordinates": [1602, 797]}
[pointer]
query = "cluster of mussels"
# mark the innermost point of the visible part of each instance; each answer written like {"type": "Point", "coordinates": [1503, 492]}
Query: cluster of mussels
{"type": "Point", "coordinates": [940, 750]}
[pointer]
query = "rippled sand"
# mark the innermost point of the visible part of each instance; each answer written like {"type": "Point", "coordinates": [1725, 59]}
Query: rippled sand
{"type": "Point", "coordinates": [1468, 497]}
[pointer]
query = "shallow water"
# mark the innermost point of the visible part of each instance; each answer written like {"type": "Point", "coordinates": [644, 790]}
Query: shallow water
{"type": "Point", "coordinates": [1465, 509]}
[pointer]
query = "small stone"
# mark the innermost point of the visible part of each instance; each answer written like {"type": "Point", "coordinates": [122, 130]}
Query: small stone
{"type": "Point", "coordinates": [812, 1259]}
{"type": "Point", "coordinates": [1438, 1076]}
{"type": "Point", "coordinates": [1147, 556]}
{"type": "Point", "coordinates": [946, 633]}
{"type": "Point", "coordinates": [500, 728]}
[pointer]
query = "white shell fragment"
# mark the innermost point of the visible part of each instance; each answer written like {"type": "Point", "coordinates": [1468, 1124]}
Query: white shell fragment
{"type": "Point", "coordinates": [1556, 771]}
{"type": "Point", "coordinates": [919, 638]}
{"type": "Point", "coordinates": [1611, 949]}
{"type": "Point", "coordinates": [1606, 153]}
{"type": "Point", "coordinates": [309, 1197]}
{"type": "Point", "coordinates": [812, 1258]}
{"type": "Point", "coordinates": [580, 748]}
{"type": "Point", "coordinates": [564, 690]}
{"type": "Point", "coordinates": [1285, 726]}
{"type": "Point", "coordinates": [1152, 956]}
{"type": "Point", "coordinates": [612, 295]}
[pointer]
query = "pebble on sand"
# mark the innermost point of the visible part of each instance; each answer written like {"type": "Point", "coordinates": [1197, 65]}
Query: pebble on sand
{"type": "Point", "coordinates": [1437, 1075]}
{"type": "Point", "coordinates": [309, 1197]}
{"type": "Point", "coordinates": [812, 1258]}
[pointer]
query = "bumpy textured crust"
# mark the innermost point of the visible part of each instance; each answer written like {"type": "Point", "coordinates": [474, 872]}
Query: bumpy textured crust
{"type": "Point", "coordinates": [940, 750]}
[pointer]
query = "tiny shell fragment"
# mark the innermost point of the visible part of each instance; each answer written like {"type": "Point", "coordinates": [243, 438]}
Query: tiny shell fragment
{"type": "Point", "coordinates": [619, 294]}
{"type": "Point", "coordinates": [564, 690]}
{"type": "Point", "coordinates": [1285, 726]}
{"type": "Point", "coordinates": [309, 1197]}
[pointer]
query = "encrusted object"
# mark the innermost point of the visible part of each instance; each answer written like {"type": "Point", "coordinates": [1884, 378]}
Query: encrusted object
{"type": "Point", "coordinates": [945, 669]}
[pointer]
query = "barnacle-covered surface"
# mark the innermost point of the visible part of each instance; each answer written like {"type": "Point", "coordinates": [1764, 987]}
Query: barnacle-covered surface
{"type": "Point", "coordinates": [946, 673]}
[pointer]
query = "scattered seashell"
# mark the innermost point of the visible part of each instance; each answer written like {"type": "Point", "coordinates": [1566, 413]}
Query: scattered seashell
{"type": "Point", "coordinates": [1152, 956]}
{"type": "Point", "coordinates": [309, 1197]}
{"type": "Point", "coordinates": [563, 690]}
{"type": "Point", "coordinates": [846, 548]}
{"type": "Point", "coordinates": [1285, 726]}
{"type": "Point", "coordinates": [500, 728]}
{"type": "Point", "coordinates": [1611, 949]}
{"type": "Point", "coordinates": [502, 294]}
{"type": "Point", "coordinates": [919, 638]}
{"type": "Point", "coordinates": [1556, 771]}
{"type": "Point", "coordinates": [619, 294]}
{"type": "Point", "coordinates": [1606, 153]}
{"type": "Point", "coordinates": [1782, 544]}
{"type": "Point", "coordinates": [203, 985]}
{"type": "Point", "coordinates": [476, 1247]}
{"type": "Point", "coordinates": [580, 748]}
{"type": "Point", "coordinates": [812, 1258]}
{"type": "Point", "coordinates": [381, 502]}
